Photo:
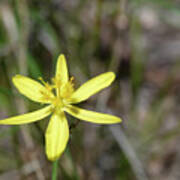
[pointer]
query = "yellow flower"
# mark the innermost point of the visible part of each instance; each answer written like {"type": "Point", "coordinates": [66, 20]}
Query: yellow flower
{"type": "Point", "coordinates": [59, 97]}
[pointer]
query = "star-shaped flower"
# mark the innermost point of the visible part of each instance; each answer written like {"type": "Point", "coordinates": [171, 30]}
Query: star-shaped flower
{"type": "Point", "coordinates": [59, 96]}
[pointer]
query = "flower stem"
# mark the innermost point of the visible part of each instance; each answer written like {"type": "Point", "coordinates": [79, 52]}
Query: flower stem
{"type": "Point", "coordinates": [54, 170]}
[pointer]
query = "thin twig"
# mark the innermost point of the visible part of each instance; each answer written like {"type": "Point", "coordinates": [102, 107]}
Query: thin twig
{"type": "Point", "coordinates": [117, 131]}
{"type": "Point", "coordinates": [129, 151]}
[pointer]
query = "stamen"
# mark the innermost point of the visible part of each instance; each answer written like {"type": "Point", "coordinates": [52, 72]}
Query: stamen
{"type": "Point", "coordinates": [72, 79]}
{"type": "Point", "coordinates": [67, 89]}
{"type": "Point", "coordinates": [42, 80]}
{"type": "Point", "coordinates": [46, 84]}
{"type": "Point", "coordinates": [56, 82]}
{"type": "Point", "coordinates": [48, 94]}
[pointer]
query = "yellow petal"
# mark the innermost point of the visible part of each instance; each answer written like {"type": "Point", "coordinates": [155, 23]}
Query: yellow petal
{"type": "Point", "coordinates": [32, 89]}
{"type": "Point", "coordinates": [61, 69]}
{"type": "Point", "coordinates": [92, 86]}
{"type": "Point", "coordinates": [57, 135]}
{"type": "Point", "coordinates": [28, 117]}
{"type": "Point", "coordinates": [91, 116]}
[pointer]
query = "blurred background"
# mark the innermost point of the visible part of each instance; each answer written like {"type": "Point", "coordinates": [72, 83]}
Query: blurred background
{"type": "Point", "coordinates": [140, 41]}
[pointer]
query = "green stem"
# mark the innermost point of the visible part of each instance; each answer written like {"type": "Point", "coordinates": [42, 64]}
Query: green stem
{"type": "Point", "coordinates": [54, 170]}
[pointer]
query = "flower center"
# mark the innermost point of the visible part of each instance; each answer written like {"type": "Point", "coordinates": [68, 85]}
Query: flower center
{"type": "Point", "coordinates": [58, 93]}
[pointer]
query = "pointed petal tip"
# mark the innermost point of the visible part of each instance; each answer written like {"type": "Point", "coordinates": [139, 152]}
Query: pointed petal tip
{"type": "Point", "coordinates": [61, 57]}
{"type": "Point", "coordinates": [16, 77]}
{"type": "Point", "coordinates": [118, 120]}
{"type": "Point", "coordinates": [112, 75]}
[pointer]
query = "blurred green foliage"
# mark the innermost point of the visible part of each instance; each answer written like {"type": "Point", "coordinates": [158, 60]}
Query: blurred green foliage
{"type": "Point", "coordinates": [133, 38]}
